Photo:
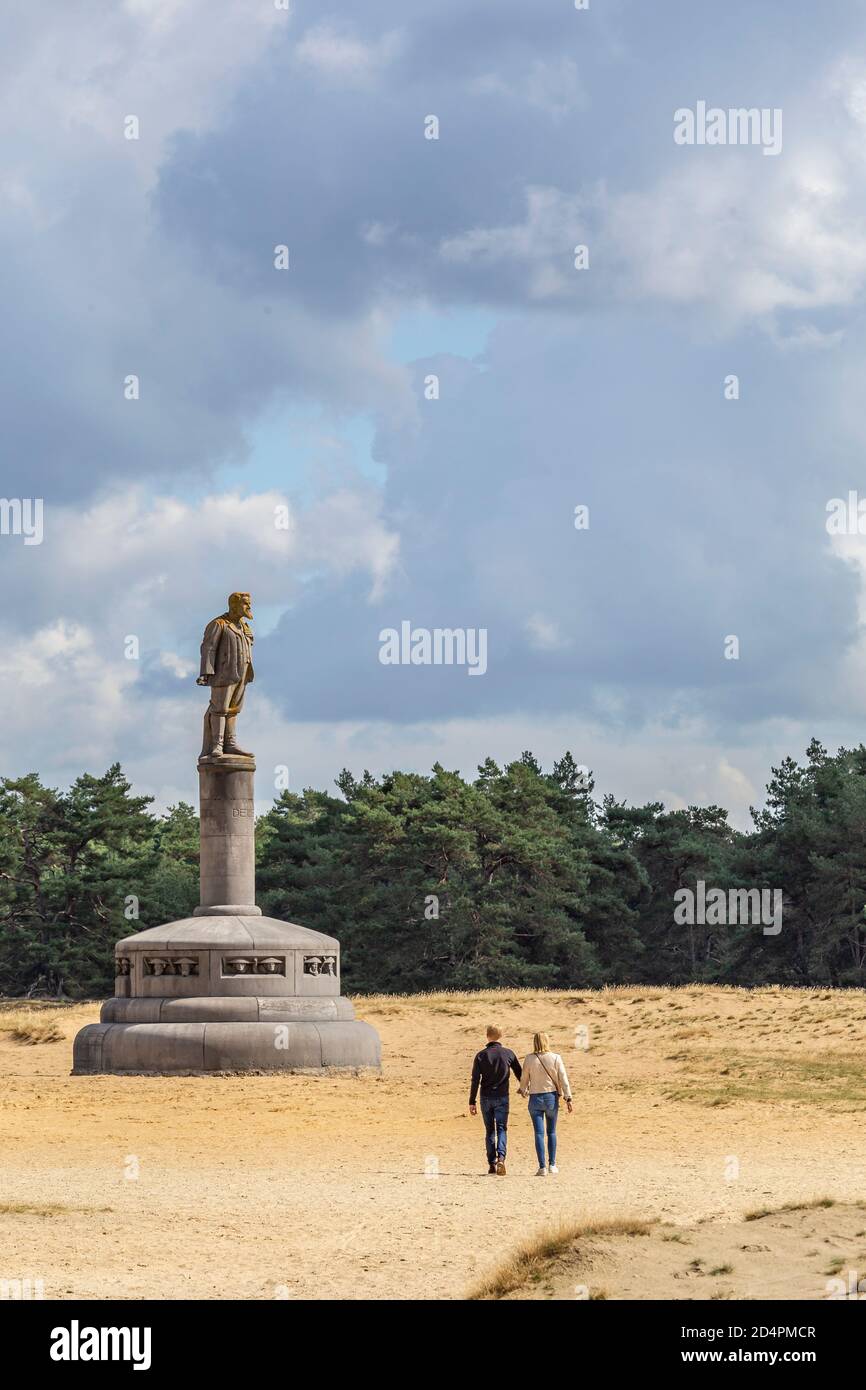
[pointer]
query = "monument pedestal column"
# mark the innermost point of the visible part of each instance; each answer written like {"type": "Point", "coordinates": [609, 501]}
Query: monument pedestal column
{"type": "Point", "coordinates": [227, 871]}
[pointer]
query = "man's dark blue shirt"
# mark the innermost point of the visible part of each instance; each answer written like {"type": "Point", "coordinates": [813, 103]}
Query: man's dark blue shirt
{"type": "Point", "coordinates": [490, 1070]}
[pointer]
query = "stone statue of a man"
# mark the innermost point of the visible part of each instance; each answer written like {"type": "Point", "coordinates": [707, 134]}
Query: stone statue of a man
{"type": "Point", "coordinates": [227, 668]}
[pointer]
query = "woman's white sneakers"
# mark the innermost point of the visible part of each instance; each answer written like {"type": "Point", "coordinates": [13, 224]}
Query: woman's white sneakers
{"type": "Point", "coordinates": [553, 1168]}
{"type": "Point", "coordinates": [542, 1173]}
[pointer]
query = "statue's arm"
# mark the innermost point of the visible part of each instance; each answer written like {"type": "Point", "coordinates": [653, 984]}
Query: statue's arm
{"type": "Point", "coordinates": [210, 642]}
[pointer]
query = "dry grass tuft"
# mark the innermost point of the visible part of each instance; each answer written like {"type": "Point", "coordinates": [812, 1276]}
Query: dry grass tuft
{"type": "Point", "coordinates": [34, 1033]}
{"type": "Point", "coordinates": [33, 1021]}
{"type": "Point", "coordinates": [761, 1212]}
{"type": "Point", "coordinates": [529, 1260]}
{"type": "Point", "coordinates": [43, 1209]}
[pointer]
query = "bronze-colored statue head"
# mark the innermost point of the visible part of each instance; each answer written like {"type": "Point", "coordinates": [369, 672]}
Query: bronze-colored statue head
{"type": "Point", "coordinates": [240, 606]}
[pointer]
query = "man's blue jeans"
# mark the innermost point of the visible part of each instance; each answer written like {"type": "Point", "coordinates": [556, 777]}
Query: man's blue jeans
{"type": "Point", "coordinates": [494, 1111]}
{"type": "Point", "coordinates": [544, 1109]}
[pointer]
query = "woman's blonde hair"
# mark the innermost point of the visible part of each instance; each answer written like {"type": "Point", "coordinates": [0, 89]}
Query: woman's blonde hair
{"type": "Point", "coordinates": [540, 1042]}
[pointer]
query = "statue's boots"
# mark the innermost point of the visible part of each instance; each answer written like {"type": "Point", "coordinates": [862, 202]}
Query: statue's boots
{"type": "Point", "coordinates": [230, 743]}
{"type": "Point", "coordinates": [214, 736]}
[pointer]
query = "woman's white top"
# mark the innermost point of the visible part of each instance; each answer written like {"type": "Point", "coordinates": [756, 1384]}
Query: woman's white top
{"type": "Point", "coordinates": [537, 1073]}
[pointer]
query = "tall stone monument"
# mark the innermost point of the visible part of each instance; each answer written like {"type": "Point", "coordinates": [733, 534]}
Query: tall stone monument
{"type": "Point", "coordinates": [226, 989]}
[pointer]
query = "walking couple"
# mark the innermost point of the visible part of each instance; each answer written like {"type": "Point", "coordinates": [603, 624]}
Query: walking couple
{"type": "Point", "coordinates": [542, 1077]}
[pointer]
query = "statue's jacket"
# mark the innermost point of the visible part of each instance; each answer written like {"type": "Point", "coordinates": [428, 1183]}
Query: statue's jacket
{"type": "Point", "coordinates": [226, 652]}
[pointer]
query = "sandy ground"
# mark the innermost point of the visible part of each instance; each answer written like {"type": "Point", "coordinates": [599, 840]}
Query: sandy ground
{"type": "Point", "coordinates": [810, 1254]}
{"type": "Point", "coordinates": [692, 1105]}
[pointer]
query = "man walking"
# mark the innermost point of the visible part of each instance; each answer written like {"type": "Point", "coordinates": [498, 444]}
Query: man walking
{"type": "Point", "coordinates": [490, 1070]}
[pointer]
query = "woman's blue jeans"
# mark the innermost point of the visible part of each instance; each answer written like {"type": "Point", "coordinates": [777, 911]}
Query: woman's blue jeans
{"type": "Point", "coordinates": [544, 1109]}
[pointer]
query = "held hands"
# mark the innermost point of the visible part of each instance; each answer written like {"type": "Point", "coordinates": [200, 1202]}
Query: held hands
{"type": "Point", "coordinates": [473, 1109]}
{"type": "Point", "coordinates": [202, 680]}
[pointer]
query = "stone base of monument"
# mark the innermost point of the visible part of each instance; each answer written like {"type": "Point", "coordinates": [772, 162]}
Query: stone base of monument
{"type": "Point", "coordinates": [228, 994]}
{"type": "Point", "coordinates": [226, 989]}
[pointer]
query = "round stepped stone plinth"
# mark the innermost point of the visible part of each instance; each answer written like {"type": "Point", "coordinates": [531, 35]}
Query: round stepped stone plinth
{"type": "Point", "coordinates": [226, 993]}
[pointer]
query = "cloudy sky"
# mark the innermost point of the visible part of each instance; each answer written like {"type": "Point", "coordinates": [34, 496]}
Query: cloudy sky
{"type": "Point", "coordinates": [409, 257]}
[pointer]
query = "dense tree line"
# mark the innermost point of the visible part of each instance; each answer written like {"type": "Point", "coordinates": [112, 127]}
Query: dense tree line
{"type": "Point", "coordinates": [518, 877]}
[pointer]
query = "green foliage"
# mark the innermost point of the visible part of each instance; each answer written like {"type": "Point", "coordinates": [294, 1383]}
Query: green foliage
{"type": "Point", "coordinates": [517, 877]}
{"type": "Point", "coordinates": [68, 863]}
{"type": "Point", "coordinates": [811, 840]}
{"type": "Point", "coordinates": [676, 849]}
{"type": "Point", "coordinates": [173, 888]}
{"type": "Point", "coordinates": [432, 880]}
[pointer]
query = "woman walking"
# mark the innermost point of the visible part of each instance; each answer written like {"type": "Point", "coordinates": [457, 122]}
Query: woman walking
{"type": "Point", "coordinates": [544, 1079]}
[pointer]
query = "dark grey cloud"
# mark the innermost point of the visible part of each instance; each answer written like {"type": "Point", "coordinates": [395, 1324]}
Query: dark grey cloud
{"type": "Point", "coordinates": [156, 258]}
{"type": "Point", "coordinates": [604, 389]}
{"type": "Point", "coordinates": [706, 519]}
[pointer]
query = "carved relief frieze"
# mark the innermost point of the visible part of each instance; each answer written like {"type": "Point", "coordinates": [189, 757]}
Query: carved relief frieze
{"type": "Point", "coordinates": [254, 965]}
{"type": "Point", "coordinates": [320, 965]}
{"type": "Point", "coordinates": [170, 965]}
